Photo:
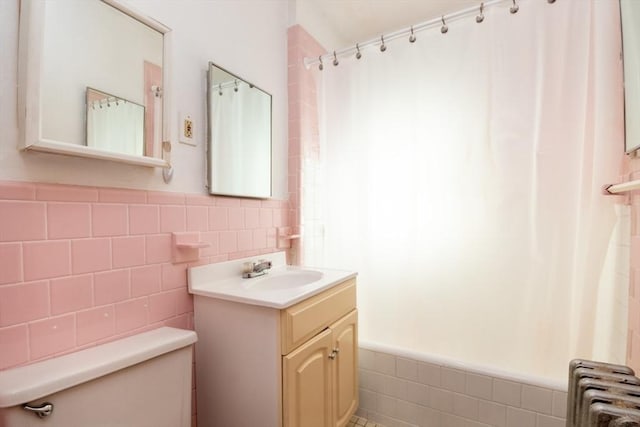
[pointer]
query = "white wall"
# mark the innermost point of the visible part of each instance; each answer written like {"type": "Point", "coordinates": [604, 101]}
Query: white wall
{"type": "Point", "coordinates": [247, 37]}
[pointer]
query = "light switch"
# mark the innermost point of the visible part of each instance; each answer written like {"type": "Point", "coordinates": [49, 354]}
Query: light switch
{"type": "Point", "coordinates": [187, 129]}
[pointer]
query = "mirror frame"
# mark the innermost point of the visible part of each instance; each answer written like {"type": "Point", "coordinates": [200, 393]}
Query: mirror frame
{"type": "Point", "coordinates": [31, 36]}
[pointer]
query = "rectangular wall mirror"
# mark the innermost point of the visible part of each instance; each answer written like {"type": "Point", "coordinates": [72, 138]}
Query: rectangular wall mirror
{"type": "Point", "coordinates": [630, 13]}
{"type": "Point", "coordinates": [239, 136]}
{"type": "Point", "coordinates": [92, 74]}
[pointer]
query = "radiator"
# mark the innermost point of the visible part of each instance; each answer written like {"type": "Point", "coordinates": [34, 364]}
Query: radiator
{"type": "Point", "coordinates": [602, 395]}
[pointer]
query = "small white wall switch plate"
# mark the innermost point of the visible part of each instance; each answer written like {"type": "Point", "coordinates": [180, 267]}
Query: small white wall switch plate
{"type": "Point", "coordinates": [186, 128]}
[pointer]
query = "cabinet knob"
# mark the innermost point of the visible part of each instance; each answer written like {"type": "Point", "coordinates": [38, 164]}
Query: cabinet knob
{"type": "Point", "coordinates": [333, 354]}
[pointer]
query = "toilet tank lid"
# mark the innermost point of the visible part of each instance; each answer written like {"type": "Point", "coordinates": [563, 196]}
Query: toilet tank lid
{"type": "Point", "coordinates": [26, 383]}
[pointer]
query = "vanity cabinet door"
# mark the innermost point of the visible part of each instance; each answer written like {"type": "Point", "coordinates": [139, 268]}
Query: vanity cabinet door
{"type": "Point", "coordinates": [307, 381]}
{"type": "Point", "coordinates": [345, 372]}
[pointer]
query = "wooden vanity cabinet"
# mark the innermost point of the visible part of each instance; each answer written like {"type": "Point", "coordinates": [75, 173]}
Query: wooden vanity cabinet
{"type": "Point", "coordinates": [319, 363]}
{"type": "Point", "coordinates": [295, 367]}
{"type": "Point", "coordinates": [320, 377]}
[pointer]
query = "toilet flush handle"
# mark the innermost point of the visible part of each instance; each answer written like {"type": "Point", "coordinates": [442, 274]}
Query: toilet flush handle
{"type": "Point", "coordinates": [41, 411]}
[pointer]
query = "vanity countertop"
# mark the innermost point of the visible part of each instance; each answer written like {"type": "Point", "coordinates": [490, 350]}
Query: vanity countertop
{"type": "Point", "coordinates": [280, 288]}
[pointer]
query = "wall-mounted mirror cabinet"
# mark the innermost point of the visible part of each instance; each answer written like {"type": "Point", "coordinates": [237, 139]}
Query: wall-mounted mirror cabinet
{"type": "Point", "coordinates": [630, 13]}
{"type": "Point", "coordinates": [239, 136]}
{"type": "Point", "coordinates": [92, 81]}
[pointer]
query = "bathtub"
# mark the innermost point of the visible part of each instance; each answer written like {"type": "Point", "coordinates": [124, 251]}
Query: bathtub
{"type": "Point", "coordinates": [402, 388]}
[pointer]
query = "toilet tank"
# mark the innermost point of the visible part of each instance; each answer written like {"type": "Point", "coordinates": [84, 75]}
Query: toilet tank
{"type": "Point", "coordinates": [142, 380]}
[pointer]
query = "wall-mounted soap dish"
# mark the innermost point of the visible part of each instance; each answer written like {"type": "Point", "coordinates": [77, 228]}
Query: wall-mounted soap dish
{"type": "Point", "coordinates": [284, 236]}
{"type": "Point", "coordinates": [186, 246]}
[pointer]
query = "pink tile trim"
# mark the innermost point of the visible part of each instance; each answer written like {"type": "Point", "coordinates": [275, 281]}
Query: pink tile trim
{"type": "Point", "coordinates": [250, 203]}
{"type": "Point", "coordinates": [165, 198]}
{"type": "Point", "coordinates": [46, 259]}
{"type": "Point", "coordinates": [199, 200]}
{"type": "Point", "coordinates": [227, 201]}
{"type": "Point", "coordinates": [17, 190]}
{"type": "Point", "coordinates": [66, 193]}
{"type": "Point", "coordinates": [10, 263]}
{"type": "Point", "coordinates": [118, 195]}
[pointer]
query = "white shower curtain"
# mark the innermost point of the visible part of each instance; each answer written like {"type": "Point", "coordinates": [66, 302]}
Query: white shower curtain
{"type": "Point", "coordinates": [461, 177]}
{"type": "Point", "coordinates": [117, 127]}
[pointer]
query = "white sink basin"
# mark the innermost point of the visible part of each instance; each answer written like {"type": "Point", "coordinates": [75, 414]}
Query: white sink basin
{"type": "Point", "coordinates": [281, 287]}
{"type": "Point", "coordinates": [283, 279]}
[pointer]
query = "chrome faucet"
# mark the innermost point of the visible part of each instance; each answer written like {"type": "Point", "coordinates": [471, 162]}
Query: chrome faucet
{"type": "Point", "coordinates": [255, 269]}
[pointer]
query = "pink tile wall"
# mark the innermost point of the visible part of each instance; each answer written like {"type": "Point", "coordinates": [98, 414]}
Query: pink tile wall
{"type": "Point", "coordinates": [303, 121]}
{"type": "Point", "coordinates": [80, 266]}
{"type": "Point", "coordinates": [633, 341]}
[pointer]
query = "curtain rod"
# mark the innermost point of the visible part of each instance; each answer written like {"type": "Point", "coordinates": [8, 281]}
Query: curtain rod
{"type": "Point", "coordinates": [409, 31]}
{"type": "Point", "coordinates": [622, 187]}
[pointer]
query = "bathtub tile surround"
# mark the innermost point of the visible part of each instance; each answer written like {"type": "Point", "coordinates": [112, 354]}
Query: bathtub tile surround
{"type": "Point", "coordinates": [402, 391]}
{"type": "Point", "coordinates": [80, 266]}
{"type": "Point", "coordinates": [356, 421]}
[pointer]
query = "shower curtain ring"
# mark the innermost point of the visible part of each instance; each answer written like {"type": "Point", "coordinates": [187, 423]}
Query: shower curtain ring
{"type": "Point", "coordinates": [321, 66]}
{"type": "Point", "coordinates": [515, 8]}
{"type": "Point", "coordinates": [335, 59]}
{"type": "Point", "coordinates": [444, 27]}
{"type": "Point", "coordinates": [358, 54]}
{"type": "Point", "coordinates": [382, 46]}
{"type": "Point", "coordinates": [480, 17]}
{"type": "Point", "coordinates": [412, 37]}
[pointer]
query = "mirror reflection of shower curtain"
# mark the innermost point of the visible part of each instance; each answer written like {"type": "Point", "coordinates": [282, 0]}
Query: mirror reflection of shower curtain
{"type": "Point", "coordinates": [246, 149]}
{"type": "Point", "coordinates": [118, 127]}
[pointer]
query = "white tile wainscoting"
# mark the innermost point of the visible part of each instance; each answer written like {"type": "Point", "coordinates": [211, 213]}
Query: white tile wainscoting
{"type": "Point", "coordinates": [400, 390]}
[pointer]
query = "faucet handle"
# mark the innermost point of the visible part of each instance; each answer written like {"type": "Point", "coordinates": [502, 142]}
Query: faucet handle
{"type": "Point", "coordinates": [247, 267]}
